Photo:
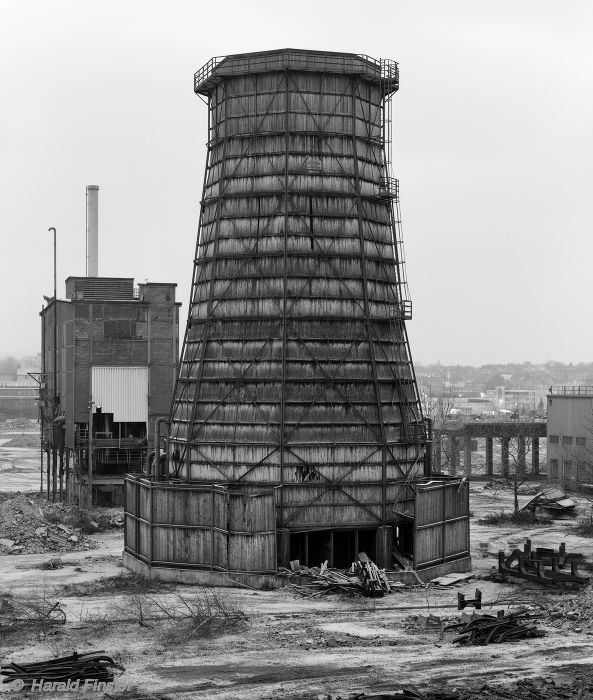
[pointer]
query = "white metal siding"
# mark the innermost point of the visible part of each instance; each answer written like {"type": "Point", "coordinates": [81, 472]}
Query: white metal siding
{"type": "Point", "coordinates": [122, 391]}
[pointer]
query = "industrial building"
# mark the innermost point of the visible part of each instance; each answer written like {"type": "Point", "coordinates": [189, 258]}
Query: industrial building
{"type": "Point", "coordinates": [296, 430]}
{"type": "Point", "coordinates": [109, 354]}
{"type": "Point", "coordinates": [570, 435]}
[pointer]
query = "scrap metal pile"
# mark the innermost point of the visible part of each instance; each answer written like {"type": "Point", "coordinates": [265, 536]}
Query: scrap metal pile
{"type": "Point", "coordinates": [487, 629]}
{"type": "Point", "coordinates": [95, 666]}
{"type": "Point", "coordinates": [364, 577]}
{"type": "Point", "coordinates": [553, 502]}
{"type": "Point", "coordinates": [542, 565]}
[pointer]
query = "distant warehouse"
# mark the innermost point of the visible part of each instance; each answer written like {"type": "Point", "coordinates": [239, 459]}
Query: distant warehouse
{"type": "Point", "coordinates": [570, 435]}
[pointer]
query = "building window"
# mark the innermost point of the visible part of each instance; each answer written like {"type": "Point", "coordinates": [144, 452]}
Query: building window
{"type": "Point", "coordinates": [554, 468]}
{"type": "Point", "coordinates": [554, 439]}
{"type": "Point", "coordinates": [581, 442]}
{"type": "Point", "coordinates": [567, 439]}
{"type": "Point", "coordinates": [567, 469]}
{"type": "Point", "coordinates": [119, 329]}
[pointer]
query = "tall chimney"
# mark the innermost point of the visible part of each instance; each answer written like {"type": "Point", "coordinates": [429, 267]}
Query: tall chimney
{"type": "Point", "coordinates": [92, 230]}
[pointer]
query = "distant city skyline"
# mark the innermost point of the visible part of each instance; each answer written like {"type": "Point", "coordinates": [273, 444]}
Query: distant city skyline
{"type": "Point", "coordinates": [491, 145]}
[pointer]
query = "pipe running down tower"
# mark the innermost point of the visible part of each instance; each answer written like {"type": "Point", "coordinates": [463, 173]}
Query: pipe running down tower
{"type": "Point", "coordinates": [296, 373]}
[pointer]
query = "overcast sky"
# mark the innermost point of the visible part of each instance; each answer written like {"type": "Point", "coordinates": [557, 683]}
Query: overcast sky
{"type": "Point", "coordinates": [493, 148]}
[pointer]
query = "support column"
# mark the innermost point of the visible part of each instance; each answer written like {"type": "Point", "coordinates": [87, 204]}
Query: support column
{"type": "Point", "coordinates": [61, 479]}
{"type": "Point", "coordinates": [504, 453]}
{"type": "Point", "coordinates": [54, 470]}
{"type": "Point", "coordinates": [521, 456]}
{"type": "Point", "coordinates": [535, 455]}
{"type": "Point", "coordinates": [467, 454]}
{"type": "Point", "coordinates": [384, 546]}
{"type": "Point", "coordinates": [48, 471]}
{"type": "Point", "coordinates": [489, 456]}
{"type": "Point", "coordinates": [41, 466]}
{"type": "Point", "coordinates": [283, 545]}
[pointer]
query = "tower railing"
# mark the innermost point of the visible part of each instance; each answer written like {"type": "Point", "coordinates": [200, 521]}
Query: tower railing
{"type": "Point", "coordinates": [206, 70]}
{"type": "Point", "coordinates": [389, 187]}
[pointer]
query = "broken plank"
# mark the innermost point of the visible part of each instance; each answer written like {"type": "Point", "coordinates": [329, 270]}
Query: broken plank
{"type": "Point", "coordinates": [450, 579]}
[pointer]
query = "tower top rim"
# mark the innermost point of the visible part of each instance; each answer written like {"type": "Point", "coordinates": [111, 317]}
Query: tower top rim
{"type": "Point", "coordinates": [383, 71]}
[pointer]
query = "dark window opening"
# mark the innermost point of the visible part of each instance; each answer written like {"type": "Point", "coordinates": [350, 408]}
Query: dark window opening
{"type": "Point", "coordinates": [367, 543]}
{"type": "Point", "coordinates": [403, 539]}
{"type": "Point", "coordinates": [305, 473]}
{"type": "Point", "coordinates": [319, 547]}
{"type": "Point", "coordinates": [338, 547]}
{"type": "Point", "coordinates": [344, 548]}
{"type": "Point", "coordinates": [123, 328]}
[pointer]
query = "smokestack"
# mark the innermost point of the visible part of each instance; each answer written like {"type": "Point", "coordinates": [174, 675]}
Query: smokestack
{"type": "Point", "coordinates": [92, 230]}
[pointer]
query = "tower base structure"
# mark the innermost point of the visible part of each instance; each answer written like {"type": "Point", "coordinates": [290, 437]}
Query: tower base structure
{"type": "Point", "coordinates": [229, 537]}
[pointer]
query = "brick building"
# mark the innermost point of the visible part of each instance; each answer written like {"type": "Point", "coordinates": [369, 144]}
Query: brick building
{"type": "Point", "coordinates": [115, 366]}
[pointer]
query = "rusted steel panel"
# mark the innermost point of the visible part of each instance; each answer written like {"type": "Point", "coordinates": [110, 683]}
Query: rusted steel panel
{"type": "Point", "coordinates": [144, 539]}
{"type": "Point", "coordinates": [457, 500]}
{"type": "Point", "coordinates": [131, 500]}
{"type": "Point", "coordinates": [183, 506]}
{"type": "Point", "coordinates": [457, 537]}
{"type": "Point", "coordinates": [130, 525]}
{"type": "Point", "coordinates": [441, 523]}
{"type": "Point", "coordinates": [430, 506]}
{"type": "Point", "coordinates": [190, 546]}
{"type": "Point", "coordinates": [255, 552]}
{"type": "Point", "coordinates": [143, 496]}
{"type": "Point", "coordinates": [428, 546]}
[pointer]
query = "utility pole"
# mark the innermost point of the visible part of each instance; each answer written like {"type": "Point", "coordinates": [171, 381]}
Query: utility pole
{"type": "Point", "coordinates": [54, 453]}
{"type": "Point", "coordinates": [90, 460]}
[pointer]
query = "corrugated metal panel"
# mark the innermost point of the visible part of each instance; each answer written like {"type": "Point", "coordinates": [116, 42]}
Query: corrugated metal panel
{"type": "Point", "coordinates": [122, 391]}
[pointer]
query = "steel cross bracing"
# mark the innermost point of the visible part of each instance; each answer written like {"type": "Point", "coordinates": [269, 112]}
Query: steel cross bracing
{"type": "Point", "coordinates": [196, 280]}
{"type": "Point", "coordinates": [284, 310]}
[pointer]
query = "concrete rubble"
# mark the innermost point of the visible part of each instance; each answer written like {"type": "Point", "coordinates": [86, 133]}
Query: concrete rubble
{"type": "Point", "coordinates": [29, 524]}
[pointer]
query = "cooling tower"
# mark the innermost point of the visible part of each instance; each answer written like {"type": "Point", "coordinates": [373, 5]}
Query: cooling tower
{"type": "Point", "coordinates": [296, 373]}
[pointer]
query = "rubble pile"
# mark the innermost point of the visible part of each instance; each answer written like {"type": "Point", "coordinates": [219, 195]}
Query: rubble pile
{"type": "Point", "coordinates": [571, 612]}
{"type": "Point", "coordinates": [573, 688]}
{"type": "Point", "coordinates": [576, 687]}
{"type": "Point", "coordinates": [23, 441]}
{"type": "Point", "coordinates": [363, 577]}
{"type": "Point", "coordinates": [404, 694]}
{"type": "Point", "coordinates": [19, 424]}
{"type": "Point", "coordinates": [29, 524]}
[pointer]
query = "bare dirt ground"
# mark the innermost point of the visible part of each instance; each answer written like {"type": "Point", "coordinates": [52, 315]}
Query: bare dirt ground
{"type": "Point", "coordinates": [276, 644]}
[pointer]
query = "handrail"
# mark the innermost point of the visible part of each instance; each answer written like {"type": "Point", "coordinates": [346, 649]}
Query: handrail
{"type": "Point", "coordinates": [206, 70]}
{"type": "Point", "coordinates": [572, 390]}
{"type": "Point", "coordinates": [389, 69]}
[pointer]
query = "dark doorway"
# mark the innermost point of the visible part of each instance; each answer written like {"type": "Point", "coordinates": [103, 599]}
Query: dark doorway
{"type": "Point", "coordinates": [338, 547]}
{"type": "Point", "coordinates": [344, 548]}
